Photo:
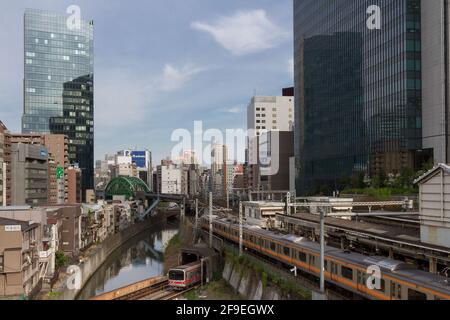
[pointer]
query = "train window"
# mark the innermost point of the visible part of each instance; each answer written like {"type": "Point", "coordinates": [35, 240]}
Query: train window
{"type": "Point", "coordinates": [416, 295]}
{"type": "Point", "coordinates": [302, 256]}
{"type": "Point", "coordinates": [347, 273]}
{"type": "Point", "coordinates": [286, 251]}
{"type": "Point", "coordinates": [176, 275]}
{"type": "Point", "coordinates": [326, 265]}
{"type": "Point", "coordinates": [334, 268]}
{"type": "Point", "coordinates": [312, 260]}
{"type": "Point", "coordinates": [361, 278]}
{"type": "Point", "coordinates": [272, 246]}
{"type": "Point", "coordinates": [396, 290]}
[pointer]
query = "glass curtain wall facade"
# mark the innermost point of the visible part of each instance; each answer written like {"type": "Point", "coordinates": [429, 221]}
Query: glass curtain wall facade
{"type": "Point", "coordinates": [358, 91]}
{"type": "Point", "coordinates": [58, 84]}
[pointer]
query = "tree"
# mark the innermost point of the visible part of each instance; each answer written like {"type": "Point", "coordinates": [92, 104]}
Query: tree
{"type": "Point", "coordinates": [60, 259]}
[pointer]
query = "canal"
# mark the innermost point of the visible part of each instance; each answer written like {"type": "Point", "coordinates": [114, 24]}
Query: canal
{"type": "Point", "coordinates": [138, 259]}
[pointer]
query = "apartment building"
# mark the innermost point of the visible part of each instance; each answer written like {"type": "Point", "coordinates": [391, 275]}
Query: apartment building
{"type": "Point", "coordinates": [20, 242]}
{"type": "Point", "coordinates": [169, 179]}
{"type": "Point", "coordinates": [68, 219]}
{"type": "Point", "coordinates": [58, 149]}
{"type": "Point", "coordinates": [29, 174]}
{"type": "Point", "coordinates": [74, 191]}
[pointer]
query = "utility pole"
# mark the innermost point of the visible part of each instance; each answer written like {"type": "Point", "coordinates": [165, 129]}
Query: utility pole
{"type": "Point", "coordinates": [228, 199]}
{"type": "Point", "coordinates": [196, 216]}
{"type": "Point", "coordinates": [240, 229]}
{"type": "Point", "coordinates": [322, 250]}
{"type": "Point", "coordinates": [210, 219]}
{"type": "Point", "coordinates": [183, 209]}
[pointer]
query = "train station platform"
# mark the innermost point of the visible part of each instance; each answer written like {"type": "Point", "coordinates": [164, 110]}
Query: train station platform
{"type": "Point", "coordinates": [395, 239]}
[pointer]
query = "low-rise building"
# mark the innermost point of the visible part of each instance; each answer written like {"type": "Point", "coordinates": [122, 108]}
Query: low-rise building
{"type": "Point", "coordinates": [20, 243]}
{"type": "Point", "coordinates": [68, 219]}
{"type": "Point", "coordinates": [263, 213]}
{"type": "Point", "coordinates": [434, 206]}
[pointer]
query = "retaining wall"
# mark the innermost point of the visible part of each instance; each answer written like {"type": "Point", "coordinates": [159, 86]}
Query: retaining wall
{"type": "Point", "coordinates": [95, 260]}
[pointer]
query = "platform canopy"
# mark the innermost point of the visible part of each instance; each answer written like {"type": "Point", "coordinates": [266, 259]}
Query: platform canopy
{"type": "Point", "coordinates": [125, 186]}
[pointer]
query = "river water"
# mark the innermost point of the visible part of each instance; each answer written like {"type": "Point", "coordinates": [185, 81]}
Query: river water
{"type": "Point", "coordinates": [138, 259]}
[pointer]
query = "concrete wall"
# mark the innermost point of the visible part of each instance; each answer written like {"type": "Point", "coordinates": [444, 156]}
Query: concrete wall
{"type": "Point", "coordinates": [433, 79]}
{"type": "Point", "coordinates": [98, 257]}
{"type": "Point", "coordinates": [249, 284]}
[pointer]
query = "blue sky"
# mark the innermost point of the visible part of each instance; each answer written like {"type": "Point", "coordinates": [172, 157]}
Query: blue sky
{"type": "Point", "coordinates": [160, 65]}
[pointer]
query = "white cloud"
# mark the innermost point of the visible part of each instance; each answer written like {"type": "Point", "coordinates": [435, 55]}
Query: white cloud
{"type": "Point", "coordinates": [244, 32]}
{"type": "Point", "coordinates": [174, 79]}
{"type": "Point", "coordinates": [233, 110]}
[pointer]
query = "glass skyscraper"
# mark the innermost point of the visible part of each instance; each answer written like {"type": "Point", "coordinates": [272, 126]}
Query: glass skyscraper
{"type": "Point", "coordinates": [58, 84]}
{"type": "Point", "coordinates": [358, 91]}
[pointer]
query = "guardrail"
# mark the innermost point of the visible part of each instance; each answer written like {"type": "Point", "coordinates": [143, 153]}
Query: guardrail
{"type": "Point", "coordinates": [133, 288]}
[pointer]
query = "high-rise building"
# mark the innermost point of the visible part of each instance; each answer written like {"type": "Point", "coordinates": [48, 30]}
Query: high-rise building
{"type": "Point", "coordinates": [219, 160]}
{"type": "Point", "coordinates": [58, 84]}
{"type": "Point", "coordinates": [435, 24]}
{"type": "Point", "coordinates": [358, 90]}
{"type": "Point", "coordinates": [265, 114]}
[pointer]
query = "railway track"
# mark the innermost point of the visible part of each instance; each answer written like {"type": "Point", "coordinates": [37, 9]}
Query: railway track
{"type": "Point", "coordinates": [145, 292]}
{"type": "Point", "coordinates": [166, 294]}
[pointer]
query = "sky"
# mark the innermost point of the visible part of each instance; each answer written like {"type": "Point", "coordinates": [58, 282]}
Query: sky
{"type": "Point", "coordinates": [160, 65]}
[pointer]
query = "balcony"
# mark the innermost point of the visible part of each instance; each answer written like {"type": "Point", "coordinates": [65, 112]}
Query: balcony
{"type": "Point", "coordinates": [45, 255]}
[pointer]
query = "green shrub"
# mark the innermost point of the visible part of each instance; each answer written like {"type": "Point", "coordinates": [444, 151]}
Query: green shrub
{"type": "Point", "coordinates": [61, 259]}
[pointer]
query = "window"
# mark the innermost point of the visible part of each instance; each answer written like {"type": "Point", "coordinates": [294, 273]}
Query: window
{"type": "Point", "coordinates": [272, 246]}
{"type": "Point", "coordinates": [1, 263]}
{"type": "Point", "coordinates": [312, 260]}
{"type": "Point", "coordinates": [361, 278]}
{"type": "Point", "coordinates": [347, 273]}
{"type": "Point", "coordinates": [396, 290]}
{"type": "Point", "coordinates": [416, 295]}
{"type": "Point", "coordinates": [334, 268]}
{"type": "Point", "coordinates": [286, 251]}
{"type": "Point", "coordinates": [302, 256]}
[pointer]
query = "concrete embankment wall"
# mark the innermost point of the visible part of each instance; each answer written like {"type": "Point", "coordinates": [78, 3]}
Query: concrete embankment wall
{"type": "Point", "coordinates": [259, 282]}
{"type": "Point", "coordinates": [95, 260]}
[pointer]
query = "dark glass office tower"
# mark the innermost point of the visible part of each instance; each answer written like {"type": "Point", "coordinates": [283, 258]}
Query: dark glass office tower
{"type": "Point", "coordinates": [358, 91]}
{"type": "Point", "coordinates": [58, 84]}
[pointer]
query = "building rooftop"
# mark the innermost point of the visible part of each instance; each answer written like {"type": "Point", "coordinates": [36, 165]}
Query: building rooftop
{"type": "Point", "coordinates": [23, 224]}
{"type": "Point", "coordinates": [432, 172]}
{"type": "Point", "coordinates": [15, 208]}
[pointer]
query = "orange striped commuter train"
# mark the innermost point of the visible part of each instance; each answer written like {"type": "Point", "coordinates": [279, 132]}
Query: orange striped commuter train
{"type": "Point", "coordinates": [399, 281]}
